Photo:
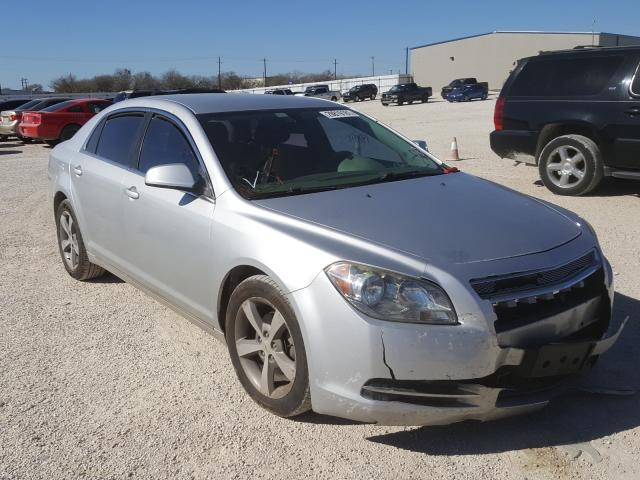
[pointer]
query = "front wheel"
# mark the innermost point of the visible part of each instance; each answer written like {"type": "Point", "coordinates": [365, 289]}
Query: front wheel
{"type": "Point", "coordinates": [400, 101]}
{"type": "Point", "coordinates": [71, 245]}
{"type": "Point", "coordinates": [266, 347]}
{"type": "Point", "coordinates": [334, 99]}
{"type": "Point", "coordinates": [571, 165]}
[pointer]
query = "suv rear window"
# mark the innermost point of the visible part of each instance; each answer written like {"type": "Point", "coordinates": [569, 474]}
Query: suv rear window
{"type": "Point", "coordinates": [635, 86]}
{"type": "Point", "coordinates": [565, 77]}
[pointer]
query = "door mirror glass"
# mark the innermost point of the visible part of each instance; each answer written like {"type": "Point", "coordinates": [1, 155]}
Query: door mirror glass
{"type": "Point", "coordinates": [176, 176]}
{"type": "Point", "coordinates": [422, 144]}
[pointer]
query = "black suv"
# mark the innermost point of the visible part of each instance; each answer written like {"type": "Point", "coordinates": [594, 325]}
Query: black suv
{"type": "Point", "coordinates": [361, 92]}
{"type": "Point", "coordinates": [575, 114]}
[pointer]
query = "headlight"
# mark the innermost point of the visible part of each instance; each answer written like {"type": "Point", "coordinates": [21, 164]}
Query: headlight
{"type": "Point", "coordinates": [389, 296]}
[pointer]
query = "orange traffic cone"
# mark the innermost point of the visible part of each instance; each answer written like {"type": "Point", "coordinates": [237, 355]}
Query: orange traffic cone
{"type": "Point", "coordinates": [454, 150]}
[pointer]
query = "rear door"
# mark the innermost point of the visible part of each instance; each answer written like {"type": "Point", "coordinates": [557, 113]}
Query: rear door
{"type": "Point", "coordinates": [167, 233]}
{"type": "Point", "coordinates": [96, 177]}
{"type": "Point", "coordinates": [625, 131]}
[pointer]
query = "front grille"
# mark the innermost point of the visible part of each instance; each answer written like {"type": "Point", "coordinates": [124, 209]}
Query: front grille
{"type": "Point", "coordinates": [496, 286]}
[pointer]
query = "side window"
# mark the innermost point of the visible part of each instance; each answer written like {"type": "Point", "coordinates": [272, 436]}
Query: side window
{"type": "Point", "coordinates": [118, 138]}
{"type": "Point", "coordinates": [93, 139]}
{"type": "Point", "coordinates": [164, 144]}
{"type": "Point", "coordinates": [570, 77]}
{"type": "Point", "coordinates": [97, 107]}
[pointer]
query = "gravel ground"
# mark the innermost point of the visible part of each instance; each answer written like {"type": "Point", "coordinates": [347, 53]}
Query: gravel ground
{"type": "Point", "coordinates": [99, 381]}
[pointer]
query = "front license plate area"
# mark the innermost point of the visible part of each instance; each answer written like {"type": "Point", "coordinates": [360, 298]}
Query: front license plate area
{"type": "Point", "coordinates": [556, 359]}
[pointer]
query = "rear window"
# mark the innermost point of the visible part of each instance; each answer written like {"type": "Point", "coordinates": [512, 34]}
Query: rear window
{"type": "Point", "coordinates": [58, 106]}
{"type": "Point", "coordinates": [565, 77]}
{"type": "Point", "coordinates": [28, 105]}
{"type": "Point", "coordinates": [118, 137]}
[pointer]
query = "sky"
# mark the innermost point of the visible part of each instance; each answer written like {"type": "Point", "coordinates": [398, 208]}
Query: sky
{"type": "Point", "coordinates": [74, 36]}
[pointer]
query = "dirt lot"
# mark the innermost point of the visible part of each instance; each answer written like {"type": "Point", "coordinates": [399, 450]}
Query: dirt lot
{"type": "Point", "coordinates": [99, 381]}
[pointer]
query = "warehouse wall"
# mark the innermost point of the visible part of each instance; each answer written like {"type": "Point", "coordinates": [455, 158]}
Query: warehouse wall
{"type": "Point", "coordinates": [491, 57]}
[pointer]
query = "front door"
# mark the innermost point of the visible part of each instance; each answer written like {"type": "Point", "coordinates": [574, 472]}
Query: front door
{"type": "Point", "coordinates": [167, 233]}
{"type": "Point", "coordinates": [626, 135]}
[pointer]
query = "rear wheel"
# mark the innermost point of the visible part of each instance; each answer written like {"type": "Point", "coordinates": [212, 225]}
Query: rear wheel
{"type": "Point", "coordinates": [485, 96]}
{"type": "Point", "coordinates": [68, 132]}
{"type": "Point", "coordinates": [571, 165]}
{"type": "Point", "coordinates": [71, 245]}
{"type": "Point", "coordinates": [400, 101]}
{"type": "Point", "coordinates": [266, 347]}
{"type": "Point", "coordinates": [334, 99]}
{"type": "Point", "coordinates": [372, 97]}
{"type": "Point", "coordinates": [425, 99]}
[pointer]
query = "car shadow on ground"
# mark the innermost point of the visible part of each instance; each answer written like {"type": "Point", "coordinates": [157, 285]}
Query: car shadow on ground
{"type": "Point", "coordinates": [108, 277]}
{"type": "Point", "coordinates": [10, 152]}
{"type": "Point", "coordinates": [568, 420]}
{"type": "Point", "coordinates": [611, 187]}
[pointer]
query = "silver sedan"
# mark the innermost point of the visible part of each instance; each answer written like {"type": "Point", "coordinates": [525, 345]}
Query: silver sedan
{"type": "Point", "coordinates": [347, 270]}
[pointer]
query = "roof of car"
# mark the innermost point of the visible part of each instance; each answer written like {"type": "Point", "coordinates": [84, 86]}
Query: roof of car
{"type": "Point", "coordinates": [232, 102]}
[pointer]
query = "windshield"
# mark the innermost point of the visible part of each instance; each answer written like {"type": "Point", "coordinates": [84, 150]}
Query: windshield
{"type": "Point", "coordinates": [396, 88]}
{"type": "Point", "coordinates": [286, 152]}
{"type": "Point", "coordinates": [355, 89]}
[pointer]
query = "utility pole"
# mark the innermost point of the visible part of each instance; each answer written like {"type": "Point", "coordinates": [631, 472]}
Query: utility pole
{"type": "Point", "coordinates": [264, 72]}
{"type": "Point", "coordinates": [373, 66]}
{"type": "Point", "coordinates": [219, 74]}
{"type": "Point", "coordinates": [406, 61]}
{"type": "Point", "coordinates": [335, 69]}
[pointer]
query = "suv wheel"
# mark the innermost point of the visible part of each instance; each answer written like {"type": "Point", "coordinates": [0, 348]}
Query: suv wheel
{"type": "Point", "coordinates": [373, 96]}
{"type": "Point", "coordinates": [571, 165]}
{"type": "Point", "coordinates": [71, 245]}
{"type": "Point", "coordinates": [266, 347]}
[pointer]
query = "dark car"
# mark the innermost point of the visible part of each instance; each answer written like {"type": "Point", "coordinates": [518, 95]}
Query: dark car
{"type": "Point", "coordinates": [279, 91]}
{"type": "Point", "coordinates": [361, 92]}
{"type": "Point", "coordinates": [575, 114]}
{"type": "Point", "coordinates": [406, 93]}
{"type": "Point", "coordinates": [461, 83]}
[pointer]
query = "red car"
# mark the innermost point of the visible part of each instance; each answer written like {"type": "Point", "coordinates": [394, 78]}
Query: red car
{"type": "Point", "coordinates": [61, 121]}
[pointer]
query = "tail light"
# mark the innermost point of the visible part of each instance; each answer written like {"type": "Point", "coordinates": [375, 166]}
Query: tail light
{"type": "Point", "coordinates": [498, 114]}
{"type": "Point", "coordinates": [13, 117]}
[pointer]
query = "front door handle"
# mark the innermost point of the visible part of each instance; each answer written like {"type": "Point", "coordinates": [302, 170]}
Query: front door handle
{"type": "Point", "coordinates": [132, 192]}
{"type": "Point", "coordinates": [633, 111]}
{"type": "Point", "coordinates": [77, 170]}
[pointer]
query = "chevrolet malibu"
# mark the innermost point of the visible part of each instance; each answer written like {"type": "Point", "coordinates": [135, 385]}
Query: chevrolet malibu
{"type": "Point", "coordinates": [347, 270]}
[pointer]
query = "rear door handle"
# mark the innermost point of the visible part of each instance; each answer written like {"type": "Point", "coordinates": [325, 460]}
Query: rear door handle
{"type": "Point", "coordinates": [132, 192]}
{"type": "Point", "coordinates": [77, 170]}
{"type": "Point", "coordinates": [633, 111]}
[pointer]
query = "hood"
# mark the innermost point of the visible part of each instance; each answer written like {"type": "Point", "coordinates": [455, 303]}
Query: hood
{"type": "Point", "coordinates": [453, 218]}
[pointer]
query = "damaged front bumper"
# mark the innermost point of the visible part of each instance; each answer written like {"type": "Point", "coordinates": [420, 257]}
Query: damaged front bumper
{"type": "Point", "coordinates": [410, 374]}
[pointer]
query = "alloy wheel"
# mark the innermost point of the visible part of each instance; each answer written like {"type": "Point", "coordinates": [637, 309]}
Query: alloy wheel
{"type": "Point", "coordinates": [566, 166]}
{"type": "Point", "coordinates": [69, 240]}
{"type": "Point", "coordinates": [265, 347]}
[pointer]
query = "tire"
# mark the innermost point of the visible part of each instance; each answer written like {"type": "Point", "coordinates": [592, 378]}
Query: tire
{"type": "Point", "coordinates": [345, 100]}
{"type": "Point", "coordinates": [77, 263]}
{"type": "Point", "coordinates": [571, 165]}
{"type": "Point", "coordinates": [334, 99]}
{"type": "Point", "coordinates": [425, 99]}
{"type": "Point", "coordinates": [25, 139]}
{"type": "Point", "coordinates": [484, 96]}
{"type": "Point", "coordinates": [372, 96]}
{"type": "Point", "coordinates": [285, 395]}
{"type": "Point", "coordinates": [465, 99]}
{"type": "Point", "coordinates": [400, 101]}
{"type": "Point", "coordinates": [410, 102]}
{"type": "Point", "coordinates": [68, 132]}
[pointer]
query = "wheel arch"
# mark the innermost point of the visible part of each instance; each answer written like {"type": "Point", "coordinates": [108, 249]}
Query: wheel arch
{"type": "Point", "coordinates": [58, 198]}
{"type": "Point", "coordinates": [231, 280]}
{"type": "Point", "coordinates": [554, 130]}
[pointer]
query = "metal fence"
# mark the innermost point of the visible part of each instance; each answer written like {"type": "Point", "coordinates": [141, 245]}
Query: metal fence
{"type": "Point", "coordinates": [383, 82]}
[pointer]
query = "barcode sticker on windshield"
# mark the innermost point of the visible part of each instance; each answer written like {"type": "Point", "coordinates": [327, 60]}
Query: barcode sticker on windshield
{"type": "Point", "coordinates": [339, 113]}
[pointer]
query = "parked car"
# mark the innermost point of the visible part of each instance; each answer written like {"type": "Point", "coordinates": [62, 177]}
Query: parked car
{"type": "Point", "coordinates": [466, 84]}
{"type": "Point", "coordinates": [322, 91]}
{"type": "Point", "coordinates": [376, 312]}
{"type": "Point", "coordinates": [361, 92]}
{"type": "Point", "coordinates": [10, 119]}
{"type": "Point", "coordinates": [8, 106]}
{"type": "Point", "coordinates": [279, 91]}
{"type": "Point", "coordinates": [406, 93]}
{"type": "Point", "coordinates": [467, 93]}
{"type": "Point", "coordinates": [61, 121]}
{"type": "Point", "coordinates": [575, 114]}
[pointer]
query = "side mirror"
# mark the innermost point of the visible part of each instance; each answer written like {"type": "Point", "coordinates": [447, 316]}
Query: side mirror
{"type": "Point", "coordinates": [422, 144]}
{"type": "Point", "coordinates": [176, 176]}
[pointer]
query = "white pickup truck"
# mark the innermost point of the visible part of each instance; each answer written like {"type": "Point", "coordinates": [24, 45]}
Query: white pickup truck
{"type": "Point", "coordinates": [322, 91]}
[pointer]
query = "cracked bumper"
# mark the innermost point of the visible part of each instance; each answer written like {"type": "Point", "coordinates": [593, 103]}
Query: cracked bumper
{"type": "Point", "coordinates": [350, 353]}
